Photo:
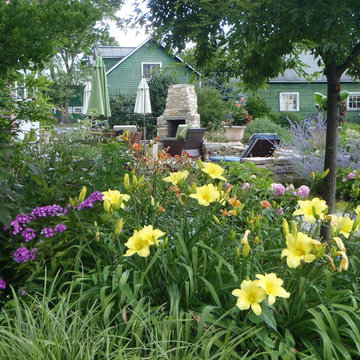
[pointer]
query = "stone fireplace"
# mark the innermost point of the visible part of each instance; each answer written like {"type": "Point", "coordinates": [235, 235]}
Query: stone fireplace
{"type": "Point", "coordinates": [181, 108]}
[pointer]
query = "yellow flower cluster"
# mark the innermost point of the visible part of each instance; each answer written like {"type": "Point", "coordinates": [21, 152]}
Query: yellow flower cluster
{"type": "Point", "coordinates": [253, 292]}
{"type": "Point", "coordinates": [312, 209]}
{"type": "Point", "coordinates": [114, 200]}
{"type": "Point", "coordinates": [141, 241]}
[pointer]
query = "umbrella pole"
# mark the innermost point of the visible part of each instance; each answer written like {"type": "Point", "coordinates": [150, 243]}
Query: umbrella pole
{"type": "Point", "coordinates": [144, 135]}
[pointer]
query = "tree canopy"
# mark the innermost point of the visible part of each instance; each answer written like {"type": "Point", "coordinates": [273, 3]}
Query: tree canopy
{"type": "Point", "coordinates": [258, 39]}
{"type": "Point", "coordinates": [30, 30]}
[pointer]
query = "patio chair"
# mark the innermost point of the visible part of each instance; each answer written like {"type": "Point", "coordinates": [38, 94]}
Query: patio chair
{"type": "Point", "coordinates": [261, 145]}
{"type": "Point", "coordinates": [192, 143]}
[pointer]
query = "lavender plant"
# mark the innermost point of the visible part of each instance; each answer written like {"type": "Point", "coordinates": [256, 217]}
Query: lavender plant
{"type": "Point", "coordinates": [307, 147]}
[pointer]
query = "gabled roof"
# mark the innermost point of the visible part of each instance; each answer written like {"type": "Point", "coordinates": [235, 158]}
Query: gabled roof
{"type": "Point", "coordinates": [290, 76]}
{"type": "Point", "coordinates": [124, 53]}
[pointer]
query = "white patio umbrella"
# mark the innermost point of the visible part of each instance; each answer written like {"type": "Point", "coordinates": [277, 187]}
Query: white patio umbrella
{"type": "Point", "coordinates": [86, 97]}
{"type": "Point", "coordinates": [142, 103]}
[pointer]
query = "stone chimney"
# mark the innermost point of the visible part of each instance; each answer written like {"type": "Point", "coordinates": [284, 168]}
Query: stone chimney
{"type": "Point", "coordinates": [181, 108]}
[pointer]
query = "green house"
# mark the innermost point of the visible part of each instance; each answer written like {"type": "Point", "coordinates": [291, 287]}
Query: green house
{"type": "Point", "coordinates": [125, 66]}
{"type": "Point", "coordinates": [292, 93]}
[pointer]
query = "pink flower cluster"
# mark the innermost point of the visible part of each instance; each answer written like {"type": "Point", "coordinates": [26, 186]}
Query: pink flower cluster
{"type": "Point", "coordinates": [279, 189]}
{"type": "Point", "coordinates": [351, 176]}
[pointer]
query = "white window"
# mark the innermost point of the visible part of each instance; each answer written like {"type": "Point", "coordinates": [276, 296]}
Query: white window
{"type": "Point", "coordinates": [147, 69]}
{"type": "Point", "coordinates": [289, 101]}
{"type": "Point", "coordinates": [70, 110]}
{"type": "Point", "coordinates": [20, 91]}
{"type": "Point", "coordinates": [353, 101]}
{"type": "Point", "coordinates": [77, 110]}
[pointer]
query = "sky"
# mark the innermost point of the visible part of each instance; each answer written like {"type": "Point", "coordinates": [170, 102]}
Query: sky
{"type": "Point", "coordinates": [130, 37]}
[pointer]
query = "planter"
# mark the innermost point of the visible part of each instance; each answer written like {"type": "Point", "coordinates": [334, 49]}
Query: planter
{"type": "Point", "coordinates": [234, 133]}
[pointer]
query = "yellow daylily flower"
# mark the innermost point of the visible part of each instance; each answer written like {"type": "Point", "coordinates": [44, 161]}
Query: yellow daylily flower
{"type": "Point", "coordinates": [344, 263]}
{"type": "Point", "coordinates": [206, 194]}
{"type": "Point", "coordinates": [245, 243]}
{"type": "Point", "coordinates": [298, 249]}
{"type": "Point", "coordinates": [345, 226]}
{"type": "Point", "coordinates": [307, 208]}
{"type": "Point", "coordinates": [249, 295]}
{"type": "Point", "coordinates": [140, 242]}
{"type": "Point", "coordinates": [119, 226]}
{"type": "Point", "coordinates": [113, 200]}
{"type": "Point", "coordinates": [339, 244]}
{"type": "Point", "coordinates": [272, 286]}
{"type": "Point", "coordinates": [176, 177]}
{"type": "Point", "coordinates": [357, 210]}
{"type": "Point", "coordinates": [213, 170]}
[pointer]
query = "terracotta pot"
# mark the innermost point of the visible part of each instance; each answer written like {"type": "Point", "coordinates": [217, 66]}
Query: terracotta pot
{"type": "Point", "coordinates": [234, 133]}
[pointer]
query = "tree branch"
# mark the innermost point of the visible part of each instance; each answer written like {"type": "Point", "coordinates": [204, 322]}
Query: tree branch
{"type": "Point", "coordinates": [349, 60]}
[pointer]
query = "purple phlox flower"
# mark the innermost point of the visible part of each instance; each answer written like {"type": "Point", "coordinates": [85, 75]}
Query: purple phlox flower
{"type": "Point", "coordinates": [23, 219]}
{"type": "Point", "coordinates": [48, 232]}
{"type": "Point", "coordinates": [44, 211]}
{"type": "Point", "coordinates": [227, 185]}
{"type": "Point", "coordinates": [291, 187]}
{"type": "Point", "coordinates": [344, 180]}
{"type": "Point", "coordinates": [303, 191]}
{"type": "Point", "coordinates": [89, 202]}
{"type": "Point", "coordinates": [245, 186]}
{"type": "Point", "coordinates": [5, 228]}
{"type": "Point", "coordinates": [280, 211]}
{"type": "Point", "coordinates": [28, 234]}
{"type": "Point", "coordinates": [2, 284]}
{"type": "Point", "coordinates": [60, 228]}
{"type": "Point", "coordinates": [17, 228]}
{"type": "Point", "coordinates": [351, 176]}
{"type": "Point", "coordinates": [23, 292]}
{"type": "Point", "coordinates": [23, 254]}
{"type": "Point", "coordinates": [279, 189]}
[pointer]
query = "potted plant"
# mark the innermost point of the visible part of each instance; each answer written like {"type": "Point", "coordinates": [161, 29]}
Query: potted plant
{"type": "Point", "coordinates": [237, 119]}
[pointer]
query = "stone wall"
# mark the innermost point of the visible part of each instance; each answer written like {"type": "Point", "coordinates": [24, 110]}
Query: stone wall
{"type": "Point", "coordinates": [181, 103]}
{"type": "Point", "coordinates": [280, 166]}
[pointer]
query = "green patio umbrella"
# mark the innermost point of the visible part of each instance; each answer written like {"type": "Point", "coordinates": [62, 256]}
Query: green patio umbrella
{"type": "Point", "coordinates": [99, 103]}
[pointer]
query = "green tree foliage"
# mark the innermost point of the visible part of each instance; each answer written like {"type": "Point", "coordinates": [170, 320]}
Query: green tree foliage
{"type": "Point", "coordinates": [257, 106]}
{"type": "Point", "coordinates": [211, 107]}
{"type": "Point", "coordinates": [31, 30]}
{"type": "Point", "coordinates": [122, 105]}
{"type": "Point", "coordinates": [263, 38]}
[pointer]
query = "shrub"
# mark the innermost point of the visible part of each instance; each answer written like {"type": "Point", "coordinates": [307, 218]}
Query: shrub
{"type": "Point", "coordinates": [284, 117]}
{"type": "Point", "coordinates": [264, 125]}
{"type": "Point", "coordinates": [211, 108]}
{"type": "Point", "coordinates": [257, 106]}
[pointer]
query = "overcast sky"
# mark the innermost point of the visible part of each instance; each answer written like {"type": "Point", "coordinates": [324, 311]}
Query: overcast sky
{"type": "Point", "coordinates": [131, 37]}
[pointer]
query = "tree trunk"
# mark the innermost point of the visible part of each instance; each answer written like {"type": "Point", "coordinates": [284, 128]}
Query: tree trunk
{"type": "Point", "coordinates": [329, 182]}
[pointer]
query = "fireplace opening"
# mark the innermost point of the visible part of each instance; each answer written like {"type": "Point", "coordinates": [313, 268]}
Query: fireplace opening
{"type": "Point", "coordinates": [172, 126]}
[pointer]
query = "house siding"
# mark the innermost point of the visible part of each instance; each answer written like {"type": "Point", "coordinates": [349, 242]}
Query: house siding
{"type": "Point", "coordinates": [126, 76]}
{"type": "Point", "coordinates": [306, 97]}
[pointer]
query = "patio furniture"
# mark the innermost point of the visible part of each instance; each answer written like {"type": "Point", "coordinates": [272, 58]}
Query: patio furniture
{"type": "Point", "coordinates": [192, 143]}
{"type": "Point", "coordinates": [119, 129]}
{"type": "Point", "coordinates": [261, 145]}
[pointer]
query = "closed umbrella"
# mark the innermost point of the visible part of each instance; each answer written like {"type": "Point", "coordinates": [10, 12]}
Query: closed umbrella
{"type": "Point", "coordinates": [86, 97]}
{"type": "Point", "coordinates": [142, 102]}
{"type": "Point", "coordinates": [99, 103]}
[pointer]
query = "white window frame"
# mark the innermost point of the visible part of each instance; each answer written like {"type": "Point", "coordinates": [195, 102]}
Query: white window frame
{"type": "Point", "coordinates": [77, 109]}
{"type": "Point", "coordinates": [149, 63]}
{"type": "Point", "coordinates": [70, 110]}
{"type": "Point", "coordinates": [348, 101]}
{"type": "Point", "coordinates": [282, 103]}
{"type": "Point", "coordinates": [16, 92]}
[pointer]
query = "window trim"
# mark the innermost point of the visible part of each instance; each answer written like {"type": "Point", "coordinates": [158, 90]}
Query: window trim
{"type": "Point", "coordinates": [77, 110]}
{"type": "Point", "coordinates": [281, 101]}
{"type": "Point", "coordinates": [356, 93]}
{"type": "Point", "coordinates": [149, 63]}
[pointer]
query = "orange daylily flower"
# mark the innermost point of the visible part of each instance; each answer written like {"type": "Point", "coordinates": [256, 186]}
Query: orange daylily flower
{"type": "Point", "coordinates": [265, 204]}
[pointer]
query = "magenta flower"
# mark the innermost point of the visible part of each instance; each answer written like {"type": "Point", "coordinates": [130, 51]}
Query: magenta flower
{"type": "Point", "coordinates": [2, 284]}
{"type": "Point", "coordinates": [351, 176]}
{"type": "Point", "coordinates": [60, 228]}
{"type": "Point", "coordinates": [48, 232]}
{"type": "Point", "coordinates": [245, 186]}
{"type": "Point", "coordinates": [278, 188]}
{"type": "Point", "coordinates": [23, 254]}
{"type": "Point", "coordinates": [344, 180]}
{"type": "Point", "coordinates": [303, 191]}
{"type": "Point", "coordinates": [28, 234]}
